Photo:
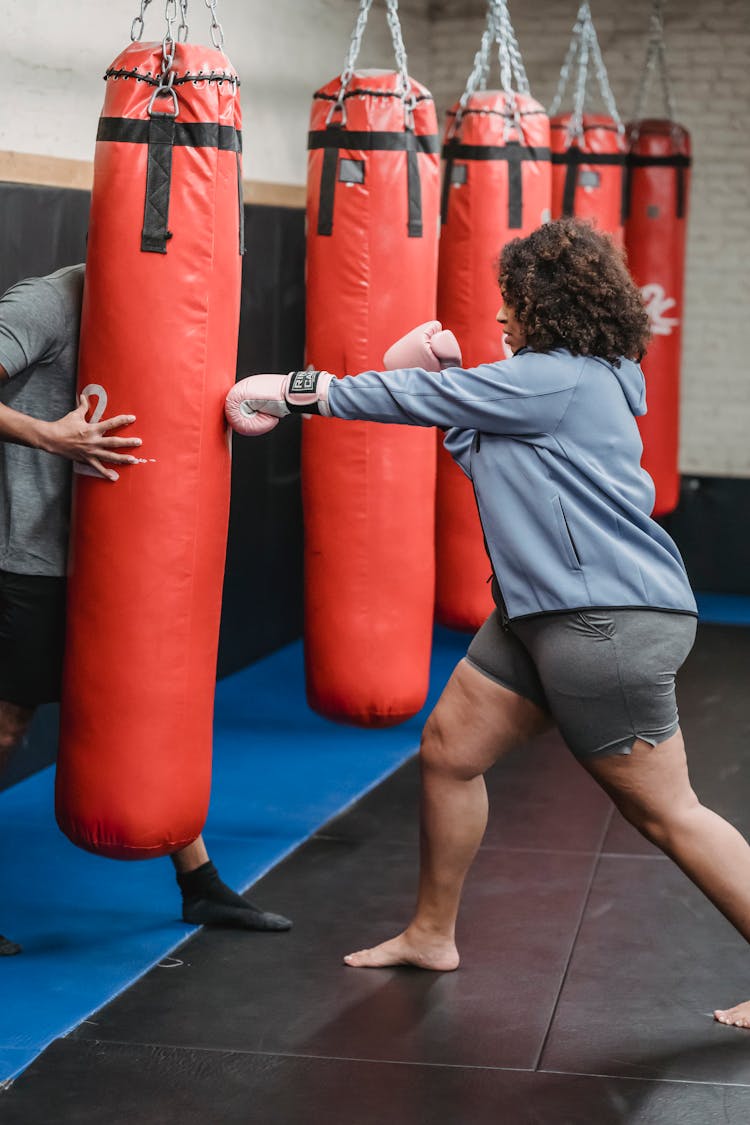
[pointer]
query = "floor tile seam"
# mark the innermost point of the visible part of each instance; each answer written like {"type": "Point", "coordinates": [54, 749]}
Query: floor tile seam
{"type": "Point", "coordinates": [645, 1078]}
{"type": "Point", "coordinates": [248, 1052]}
{"type": "Point", "coordinates": [594, 851]}
{"type": "Point", "coordinates": [574, 940]}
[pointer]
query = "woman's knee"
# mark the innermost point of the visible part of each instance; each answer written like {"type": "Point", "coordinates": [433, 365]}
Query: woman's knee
{"type": "Point", "coordinates": [441, 753]}
{"type": "Point", "coordinates": [664, 817]}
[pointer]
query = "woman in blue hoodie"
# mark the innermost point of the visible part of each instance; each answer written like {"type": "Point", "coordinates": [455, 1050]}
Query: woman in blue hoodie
{"type": "Point", "coordinates": [594, 609]}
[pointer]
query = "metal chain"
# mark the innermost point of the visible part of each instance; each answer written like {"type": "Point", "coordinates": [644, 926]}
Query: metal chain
{"type": "Point", "coordinates": [404, 83]}
{"type": "Point", "coordinates": [656, 54]}
{"type": "Point", "coordinates": [567, 65]}
{"type": "Point", "coordinates": [481, 68]}
{"type": "Point", "coordinates": [575, 128]}
{"type": "Point", "coordinates": [499, 30]}
{"type": "Point", "coordinates": [522, 81]}
{"type": "Point", "coordinates": [603, 79]}
{"type": "Point", "coordinates": [136, 28]}
{"type": "Point", "coordinates": [183, 30]}
{"type": "Point", "coordinates": [217, 31]}
{"type": "Point", "coordinates": [348, 72]}
{"type": "Point", "coordinates": [510, 54]}
{"type": "Point", "coordinates": [584, 46]}
{"type": "Point", "coordinates": [394, 23]}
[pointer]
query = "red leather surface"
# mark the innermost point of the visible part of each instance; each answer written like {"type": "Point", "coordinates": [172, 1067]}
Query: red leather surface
{"type": "Point", "coordinates": [159, 333]}
{"type": "Point", "coordinates": [655, 239]}
{"type": "Point", "coordinates": [369, 489]}
{"type": "Point", "coordinates": [475, 231]}
{"type": "Point", "coordinates": [600, 202]}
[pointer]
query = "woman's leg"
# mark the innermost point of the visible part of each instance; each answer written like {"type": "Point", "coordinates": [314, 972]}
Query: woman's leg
{"type": "Point", "coordinates": [474, 723]}
{"type": "Point", "coordinates": [651, 788]}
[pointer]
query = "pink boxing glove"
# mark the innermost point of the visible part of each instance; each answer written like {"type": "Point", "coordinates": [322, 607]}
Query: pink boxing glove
{"type": "Point", "coordinates": [255, 405]}
{"type": "Point", "coordinates": [429, 346]}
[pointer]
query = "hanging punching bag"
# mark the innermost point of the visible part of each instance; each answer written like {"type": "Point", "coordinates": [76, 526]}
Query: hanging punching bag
{"type": "Point", "coordinates": [655, 238]}
{"type": "Point", "coordinates": [368, 489]}
{"type": "Point", "coordinates": [588, 172]}
{"type": "Point", "coordinates": [588, 149]}
{"type": "Point", "coordinates": [158, 339]}
{"type": "Point", "coordinates": [496, 186]}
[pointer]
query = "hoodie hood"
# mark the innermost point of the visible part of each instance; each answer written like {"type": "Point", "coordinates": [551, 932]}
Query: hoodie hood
{"type": "Point", "coordinates": [631, 379]}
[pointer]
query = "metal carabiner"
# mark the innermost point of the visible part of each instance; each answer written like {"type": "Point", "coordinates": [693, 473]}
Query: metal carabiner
{"type": "Point", "coordinates": [162, 92]}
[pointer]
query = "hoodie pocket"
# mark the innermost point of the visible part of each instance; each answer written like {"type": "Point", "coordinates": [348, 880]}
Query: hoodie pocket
{"type": "Point", "coordinates": [564, 528]}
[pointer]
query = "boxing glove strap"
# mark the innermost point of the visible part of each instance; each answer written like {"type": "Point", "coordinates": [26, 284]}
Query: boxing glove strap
{"type": "Point", "coordinates": [303, 383]}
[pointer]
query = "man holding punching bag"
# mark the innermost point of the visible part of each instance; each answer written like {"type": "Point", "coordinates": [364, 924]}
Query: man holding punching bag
{"type": "Point", "coordinates": [43, 430]}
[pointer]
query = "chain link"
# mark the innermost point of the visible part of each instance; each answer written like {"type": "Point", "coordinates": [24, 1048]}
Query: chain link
{"type": "Point", "coordinates": [183, 30]}
{"type": "Point", "coordinates": [136, 28]}
{"type": "Point", "coordinates": [584, 47]}
{"type": "Point", "coordinates": [175, 10]}
{"type": "Point", "coordinates": [410, 101]}
{"type": "Point", "coordinates": [404, 83]}
{"type": "Point", "coordinates": [655, 56]}
{"type": "Point", "coordinates": [499, 30]}
{"type": "Point", "coordinates": [217, 31]}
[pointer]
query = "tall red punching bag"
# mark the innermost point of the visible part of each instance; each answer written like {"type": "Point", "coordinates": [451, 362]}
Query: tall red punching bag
{"type": "Point", "coordinates": [368, 489]}
{"type": "Point", "coordinates": [158, 339]}
{"type": "Point", "coordinates": [655, 238]}
{"type": "Point", "coordinates": [496, 186]}
{"type": "Point", "coordinates": [588, 149]}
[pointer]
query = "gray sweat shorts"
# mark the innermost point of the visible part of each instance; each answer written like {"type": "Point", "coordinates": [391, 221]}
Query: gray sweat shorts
{"type": "Point", "coordinates": [605, 676]}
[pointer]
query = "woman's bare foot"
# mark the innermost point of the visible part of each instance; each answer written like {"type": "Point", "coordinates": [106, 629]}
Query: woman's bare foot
{"type": "Point", "coordinates": [739, 1016]}
{"type": "Point", "coordinates": [409, 948]}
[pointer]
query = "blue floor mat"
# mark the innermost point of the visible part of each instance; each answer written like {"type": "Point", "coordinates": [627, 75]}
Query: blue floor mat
{"type": "Point", "coordinates": [91, 926]}
{"type": "Point", "coordinates": [723, 609]}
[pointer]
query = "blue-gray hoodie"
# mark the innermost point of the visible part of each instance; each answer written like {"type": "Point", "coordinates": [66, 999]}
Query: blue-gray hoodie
{"type": "Point", "coordinates": [552, 447]}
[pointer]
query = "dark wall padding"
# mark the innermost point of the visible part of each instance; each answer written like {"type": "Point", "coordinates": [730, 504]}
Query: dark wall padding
{"type": "Point", "coordinates": [712, 530]}
{"type": "Point", "coordinates": [42, 229]}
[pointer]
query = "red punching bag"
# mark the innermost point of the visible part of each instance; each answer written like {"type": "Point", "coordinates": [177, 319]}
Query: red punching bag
{"type": "Point", "coordinates": [658, 184]}
{"type": "Point", "coordinates": [588, 172]}
{"type": "Point", "coordinates": [588, 149]}
{"type": "Point", "coordinates": [159, 340]}
{"type": "Point", "coordinates": [368, 489]}
{"type": "Point", "coordinates": [496, 186]}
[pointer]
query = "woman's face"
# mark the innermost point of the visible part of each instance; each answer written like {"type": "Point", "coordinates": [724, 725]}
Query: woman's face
{"type": "Point", "coordinates": [515, 333]}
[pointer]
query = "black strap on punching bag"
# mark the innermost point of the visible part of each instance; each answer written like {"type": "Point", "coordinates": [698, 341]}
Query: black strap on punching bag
{"type": "Point", "coordinates": [513, 152]}
{"type": "Point", "coordinates": [334, 138]}
{"type": "Point", "coordinates": [163, 133]}
{"type": "Point", "coordinates": [161, 137]}
{"type": "Point", "coordinates": [572, 159]}
{"type": "Point", "coordinates": [678, 160]}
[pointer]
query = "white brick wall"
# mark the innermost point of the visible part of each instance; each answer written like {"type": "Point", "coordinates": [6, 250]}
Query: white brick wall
{"type": "Point", "coordinates": [708, 44]}
{"type": "Point", "coordinates": [53, 54]}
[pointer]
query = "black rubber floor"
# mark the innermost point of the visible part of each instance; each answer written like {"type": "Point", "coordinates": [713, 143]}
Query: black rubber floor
{"type": "Point", "coordinates": [590, 969]}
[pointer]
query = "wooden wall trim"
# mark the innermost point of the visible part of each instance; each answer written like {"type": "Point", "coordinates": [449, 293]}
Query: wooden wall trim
{"type": "Point", "coordinates": [55, 171]}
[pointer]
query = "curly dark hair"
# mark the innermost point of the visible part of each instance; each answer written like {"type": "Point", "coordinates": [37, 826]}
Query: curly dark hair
{"type": "Point", "coordinates": [569, 287]}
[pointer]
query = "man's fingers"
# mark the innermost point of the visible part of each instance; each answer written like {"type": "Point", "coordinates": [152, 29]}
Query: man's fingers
{"type": "Point", "coordinates": [83, 405]}
{"type": "Point", "coordinates": [110, 474]}
{"type": "Point", "coordinates": [115, 423]}
{"type": "Point", "coordinates": [117, 458]}
{"type": "Point", "coordinates": [118, 443]}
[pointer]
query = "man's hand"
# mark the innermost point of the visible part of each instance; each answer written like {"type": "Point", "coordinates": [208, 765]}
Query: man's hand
{"type": "Point", "coordinates": [89, 443]}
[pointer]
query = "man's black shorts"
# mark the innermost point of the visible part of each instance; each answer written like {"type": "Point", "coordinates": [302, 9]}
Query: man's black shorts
{"type": "Point", "coordinates": [32, 638]}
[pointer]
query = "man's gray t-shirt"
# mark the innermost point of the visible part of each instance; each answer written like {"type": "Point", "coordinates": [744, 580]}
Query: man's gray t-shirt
{"type": "Point", "coordinates": [39, 325]}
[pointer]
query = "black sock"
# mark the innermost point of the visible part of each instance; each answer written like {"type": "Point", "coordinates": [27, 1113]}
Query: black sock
{"type": "Point", "coordinates": [208, 901]}
{"type": "Point", "coordinates": [8, 948]}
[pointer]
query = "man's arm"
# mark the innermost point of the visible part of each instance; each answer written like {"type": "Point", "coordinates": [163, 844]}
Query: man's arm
{"type": "Point", "coordinates": [72, 436]}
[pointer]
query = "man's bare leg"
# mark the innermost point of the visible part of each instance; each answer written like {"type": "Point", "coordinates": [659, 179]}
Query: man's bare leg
{"type": "Point", "coordinates": [191, 857]}
{"type": "Point", "coordinates": [652, 789]}
{"type": "Point", "coordinates": [14, 722]}
{"type": "Point", "coordinates": [475, 722]}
